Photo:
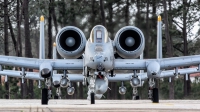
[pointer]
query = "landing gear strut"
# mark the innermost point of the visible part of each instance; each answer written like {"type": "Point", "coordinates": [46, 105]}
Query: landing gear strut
{"type": "Point", "coordinates": [153, 92]}
{"type": "Point", "coordinates": [58, 93]}
{"type": "Point", "coordinates": [135, 96]}
{"type": "Point", "coordinates": [91, 89]}
{"type": "Point", "coordinates": [135, 82]}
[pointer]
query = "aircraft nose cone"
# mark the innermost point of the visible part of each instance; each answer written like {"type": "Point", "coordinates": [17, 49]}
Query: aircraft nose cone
{"type": "Point", "coordinates": [70, 41]}
{"type": "Point", "coordinates": [130, 41]}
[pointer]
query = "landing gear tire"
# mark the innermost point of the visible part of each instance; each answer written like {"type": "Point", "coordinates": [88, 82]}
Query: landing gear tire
{"type": "Point", "coordinates": [155, 98]}
{"type": "Point", "coordinates": [44, 99]}
{"type": "Point", "coordinates": [92, 98]}
{"type": "Point", "coordinates": [55, 97]}
{"type": "Point", "coordinates": [137, 97]}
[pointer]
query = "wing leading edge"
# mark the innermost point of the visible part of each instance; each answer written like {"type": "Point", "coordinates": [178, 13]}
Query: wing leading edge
{"type": "Point", "coordinates": [33, 63]}
{"type": "Point", "coordinates": [165, 63]}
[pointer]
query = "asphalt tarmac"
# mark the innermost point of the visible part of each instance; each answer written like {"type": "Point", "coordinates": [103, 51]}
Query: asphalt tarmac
{"type": "Point", "coordinates": [100, 106]}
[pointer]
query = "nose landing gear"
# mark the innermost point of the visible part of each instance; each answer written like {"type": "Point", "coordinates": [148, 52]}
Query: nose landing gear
{"type": "Point", "coordinates": [58, 93]}
{"type": "Point", "coordinates": [153, 93]}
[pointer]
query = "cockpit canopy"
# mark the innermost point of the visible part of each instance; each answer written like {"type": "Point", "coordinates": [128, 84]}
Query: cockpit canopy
{"type": "Point", "coordinates": [99, 34]}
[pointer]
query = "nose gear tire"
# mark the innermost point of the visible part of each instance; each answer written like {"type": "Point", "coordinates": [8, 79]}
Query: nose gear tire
{"type": "Point", "coordinates": [92, 98]}
{"type": "Point", "coordinates": [155, 98]}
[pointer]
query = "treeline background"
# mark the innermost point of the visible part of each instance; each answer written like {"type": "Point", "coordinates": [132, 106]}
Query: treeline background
{"type": "Point", "coordinates": [19, 36]}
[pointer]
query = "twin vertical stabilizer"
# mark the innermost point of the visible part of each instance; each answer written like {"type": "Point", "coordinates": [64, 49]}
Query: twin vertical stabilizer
{"type": "Point", "coordinates": [159, 38]}
{"type": "Point", "coordinates": [42, 41]}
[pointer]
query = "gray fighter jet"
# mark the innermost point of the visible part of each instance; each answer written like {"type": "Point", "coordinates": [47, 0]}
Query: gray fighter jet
{"type": "Point", "coordinates": [98, 65]}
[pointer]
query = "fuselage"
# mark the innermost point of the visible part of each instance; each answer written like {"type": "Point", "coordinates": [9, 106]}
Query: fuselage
{"type": "Point", "coordinates": [99, 53]}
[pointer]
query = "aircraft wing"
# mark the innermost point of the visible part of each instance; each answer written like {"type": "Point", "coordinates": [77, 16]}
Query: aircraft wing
{"type": "Point", "coordinates": [165, 63]}
{"type": "Point", "coordinates": [116, 78]}
{"type": "Point", "coordinates": [16, 74]}
{"type": "Point", "coordinates": [143, 76]}
{"type": "Point", "coordinates": [36, 76]}
{"type": "Point", "coordinates": [34, 63]}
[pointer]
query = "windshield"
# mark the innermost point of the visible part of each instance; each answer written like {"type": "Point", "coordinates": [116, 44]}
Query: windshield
{"type": "Point", "coordinates": [99, 34]}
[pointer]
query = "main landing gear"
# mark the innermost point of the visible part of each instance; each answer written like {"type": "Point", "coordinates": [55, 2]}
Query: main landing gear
{"type": "Point", "coordinates": [135, 95]}
{"type": "Point", "coordinates": [91, 89]}
{"type": "Point", "coordinates": [135, 82]}
{"type": "Point", "coordinates": [92, 100]}
{"type": "Point", "coordinates": [153, 92]}
{"type": "Point", "coordinates": [46, 92]}
{"type": "Point", "coordinates": [58, 93]}
{"type": "Point", "coordinates": [44, 96]}
{"type": "Point", "coordinates": [89, 80]}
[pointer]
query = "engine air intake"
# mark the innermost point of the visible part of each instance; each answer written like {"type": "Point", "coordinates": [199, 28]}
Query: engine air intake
{"type": "Point", "coordinates": [129, 40]}
{"type": "Point", "coordinates": [70, 40]}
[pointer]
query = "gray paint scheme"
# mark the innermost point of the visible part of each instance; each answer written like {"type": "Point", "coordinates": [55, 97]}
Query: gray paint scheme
{"type": "Point", "coordinates": [35, 75]}
{"type": "Point", "coordinates": [42, 41]}
{"type": "Point", "coordinates": [129, 54]}
{"type": "Point", "coordinates": [159, 40]}
{"type": "Point", "coordinates": [71, 54]}
{"type": "Point", "coordinates": [165, 63]}
{"type": "Point", "coordinates": [34, 63]}
{"type": "Point", "coordinates": [119, 64]}
{"type": "Point", "coordinates": [101, 54]}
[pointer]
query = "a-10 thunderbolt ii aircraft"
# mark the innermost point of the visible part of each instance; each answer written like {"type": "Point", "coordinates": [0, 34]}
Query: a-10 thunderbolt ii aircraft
{"type": "Point", "coordinates": [98, 65]}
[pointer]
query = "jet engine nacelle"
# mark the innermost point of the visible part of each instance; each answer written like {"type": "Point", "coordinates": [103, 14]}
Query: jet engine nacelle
{"type": "Point", "coordinates": [70, 42]}
{"type": "Point", "coordinates": [129, 42]}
